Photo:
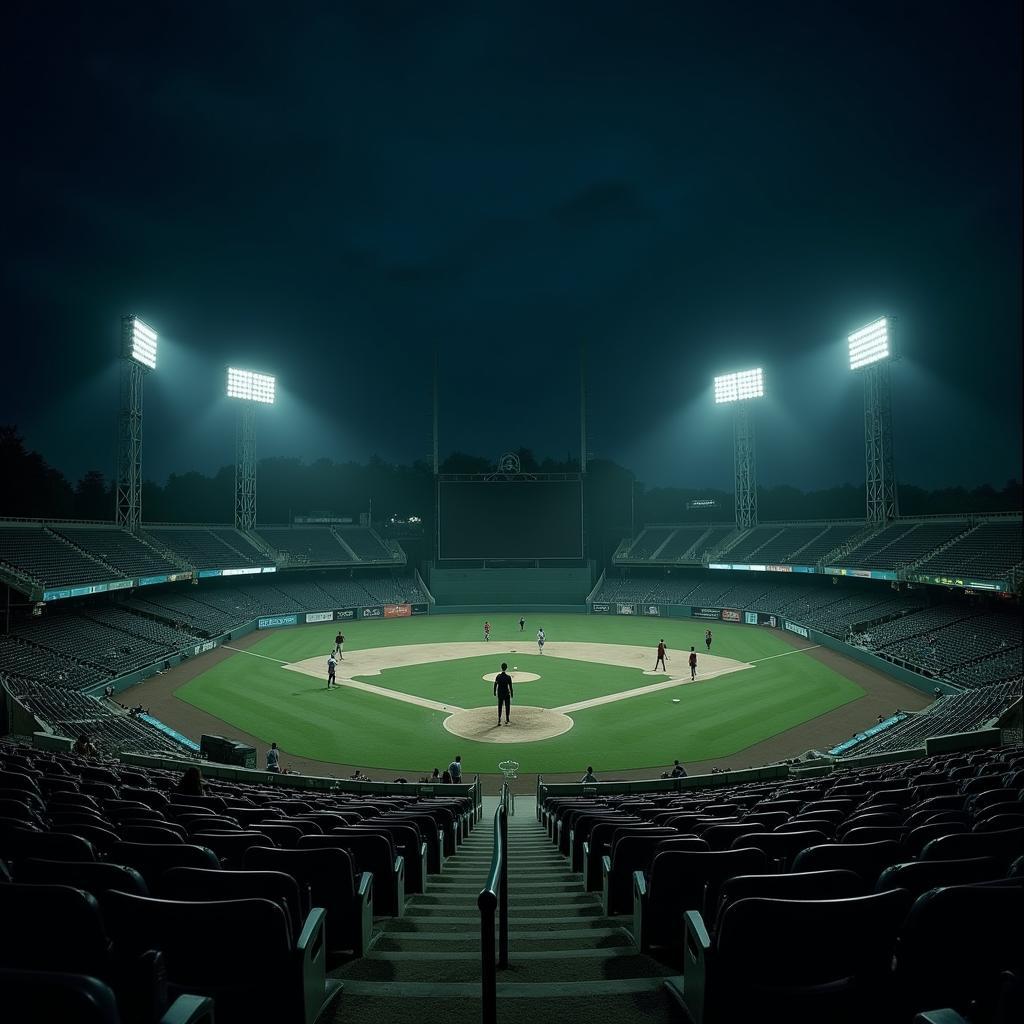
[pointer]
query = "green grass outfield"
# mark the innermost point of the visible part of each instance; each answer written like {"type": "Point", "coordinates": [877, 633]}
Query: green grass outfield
{"type": "Point", "coordinates": [713, 719]}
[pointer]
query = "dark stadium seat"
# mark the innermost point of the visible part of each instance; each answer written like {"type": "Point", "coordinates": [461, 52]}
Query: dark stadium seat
{"type": "Point", "coordinates": [408, 842]}
{"type": "Point", "coordinates": [1000, 823]}
{"type": "Point", "coordinates": [283, 834]}
{"type": "Point", "coordinates": [230, 846]}
{"type": "Point", "coordinates": [370, 853]}
{"type": "Point", "coordinates": [94, 877]}
{"type": "Point", "coordinates": [808, 885]}
{"type": "Point", "coordinates": [975, 929]}
{"type": "Point", "coordinates": [630, 852]}
{"type": "Point", "coordinates": [780, 847]}
{"type": "Point", "coordinates": [822, 825]}
{"type": "Point", "coordinates": [153, 832]}
{"type": "Point", "coordinates": [238, 952]}
{"type": "Point", "coordinates": [919, 876]}
{"type": "Point", "coordinates": [19, 843]}
{"type": "Point", "coordinates": [151, 860]}
{"type": "Point", "coordinates": [203, 884]}
{"type": "Point", "coordinates": [332, 884]}
{"type": "Point", "coordinates": [101, 838]}
{"type": "Point", "coordinates": [43, 997]}
{"type": "Point", "coordinates": [796, 977]}
{"type": "Point", "coordinates": [1006, 846]}
{"type": "Point", "coordinates": [866, 859]}
{"type": "Point", "coordinates": [679, 881]}
{"type": "Point", "coordinates": [723, 837]}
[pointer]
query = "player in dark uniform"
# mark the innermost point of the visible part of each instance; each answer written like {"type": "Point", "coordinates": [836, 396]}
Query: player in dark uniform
{"type": "Point", "coordinates": [331, 667]}
{"type": "Point", "coordinates": [661, 657]}
{"type": "Point", "coordinates": [707, 638]}
{"type": "Point", "coordinates": [487, 630]}
{"type": "Point", "coordinates": [693, 663]}
{"type": "Point", "coordinates": [522, 623]}
{"type": "Point", "coordinates": [503, 691]}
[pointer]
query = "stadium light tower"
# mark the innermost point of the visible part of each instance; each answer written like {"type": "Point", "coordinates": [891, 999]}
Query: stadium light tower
{"type": "Point", "coordinates": [737, 389]}
{"type": "Point", "coordinates": [871, 352]}
{"type": "Point", "coordinates": [250, 389]}
{"type": "Point", "coordinates": [138, 357]}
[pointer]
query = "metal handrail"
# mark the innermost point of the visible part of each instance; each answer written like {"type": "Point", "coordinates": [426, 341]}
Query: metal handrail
{"type": "Point", "coordinates": [494, 899]}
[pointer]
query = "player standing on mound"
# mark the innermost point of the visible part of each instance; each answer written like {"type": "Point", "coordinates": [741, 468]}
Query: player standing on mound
{"type": "Point", "coordinates": [693, 663]}
{"type": "Point", "coordinates": [487, 630]}
{"type": "Point", "coordinates": [332, 666]}
{"type": "Point", "coordinates": [707, 638]}
{"type": "Point", "coordinates": [503, 691]}
{"type": "Point", "coordinates": [661, 657]}
{"type": "Point", "coordinates": [540, 640]}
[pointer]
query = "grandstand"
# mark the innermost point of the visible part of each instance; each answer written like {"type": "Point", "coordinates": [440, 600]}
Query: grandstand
{"type": "Point", "coordinates": [47, 559]}
{"type": "Point", "coordinates": [990, 550]}
{"type": "Point", "coordinates": [122, 551]}
{"type": "Point", "coordinates": [205, 548]}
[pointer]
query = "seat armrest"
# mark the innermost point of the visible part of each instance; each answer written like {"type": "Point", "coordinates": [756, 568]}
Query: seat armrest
{"type": "Point", "coordinates": [311, 951]}
{"type": "Point", "coordinates": [696, 947]}
{"type": "Point", "coordinates": [939, 1017]}
{"type": "Point", "coordinates": [640, 936]}
{"type": "Point", "coordinates": [606, 866]}
{"type": "Point", "coordinates": [364, 908]}
{"type": "Point", "coordinates": [399, 886]}
{"type": "Point", "coordinates": [189, 1010]}
{"type": "Point", "coordinates": [606, 885]}
{"type": "Point", "coordinates": [423, 870]}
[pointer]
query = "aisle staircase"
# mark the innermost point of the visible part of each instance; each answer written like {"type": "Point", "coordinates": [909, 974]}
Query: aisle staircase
{"type": "Point", "coordinates": [569, 964]}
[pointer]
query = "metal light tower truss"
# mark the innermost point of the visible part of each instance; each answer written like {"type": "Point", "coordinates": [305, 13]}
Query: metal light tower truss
{"type": "Point", "coordinates": [882, 497]}
{"type": "Point", "coordinates": [245, 466]}
{"type": "Point", "coordinates": [138, 357]}
{"type": "Point", "coordinates": [129, 447]}
{"type": "Point", "coordinates": [871, 350]}
{"type": "Point", "coordinates": [744, 465]}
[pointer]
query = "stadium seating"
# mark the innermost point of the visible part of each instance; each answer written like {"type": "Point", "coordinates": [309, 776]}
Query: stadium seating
{"type": "Point", "coordinates": [306, 545]}
{"type": "Point", "coordinates": [41, 555]}
{"type": "Point", "coordinates": [204, 548]}
{"type": "Point", "coordinates": [364, 543]}
{"type": "Point", "coordinates": [902, 544]}
{"type": "Point", "coordinates": [118, 549]}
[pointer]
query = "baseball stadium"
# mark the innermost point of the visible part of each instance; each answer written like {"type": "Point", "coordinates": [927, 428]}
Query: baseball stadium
{"type": "Point", "coordinates": [511, 514]}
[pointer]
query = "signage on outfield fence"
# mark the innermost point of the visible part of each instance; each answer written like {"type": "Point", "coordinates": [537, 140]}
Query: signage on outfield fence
{"type": "Point", "coordinates": [626, 609]}
{"type": "Point", "coordinates": [601, 607]}
{"type": "Point", "coordinates": [706, 613]}
{"type": "Point", "coordinates": [750, 618]}
{"type": "Point", "coordinates": [319, 616]}
{"type": "Point", "coordinates": [730, 615]}
{"type": "Point", "coordinates": [377, 612]}
{"type": "Point", "coordinates": [397, 611]}
{"type": "Point", "coordinates": [270, 621]}
{"type": "Point", "coordinates": [651, 609]}
{"type": "Point", "coordinates": [203, 648]}
{"type": "Point", "coordinates": [345, 614]}
{"type": "Point", "coordinates": [799, 630]}
{"type": "Point", "coordinates": [420, 609]}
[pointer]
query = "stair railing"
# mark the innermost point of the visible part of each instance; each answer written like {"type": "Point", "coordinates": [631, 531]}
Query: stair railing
{"type": "Point", "coordinates": [493, 900]}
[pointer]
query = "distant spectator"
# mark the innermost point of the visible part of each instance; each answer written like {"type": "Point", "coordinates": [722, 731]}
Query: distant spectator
{"type": "Point", "coordinates": [590, 776]}
{"type": "Point", "coordinates": [191, 782]}
{"type": "Point", "coordinates": [84, 746]}
{"type": "Point", "coordinates": [273, 758]}
{"type": "Point", "coordinates": [436, 776]}
{"type": "Point", "coordinates": [455, 769]}
{"type": "Point", "coordinates": [678, 771]}
{"type": "Point", "coordinates": [446, 776]}
{"type": "Point", "coordinates": [881, 718]}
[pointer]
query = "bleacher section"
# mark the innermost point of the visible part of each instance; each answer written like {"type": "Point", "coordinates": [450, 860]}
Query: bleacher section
{"type": "Point", "coordinates": [42, 665]}
{"type": "Point", "coordinates": [36, 552]}
{"type": "Point", "coordinates": [649, 541]}
{"type": "Point", "coordinates": [680, 543]}
{"type": "Point", "coordinates": [204, 548]}
{"type": "Point", "coordinates": [111, 728]}
{"type": "Point", "coordinates": [783, 547]}
{"type": "Point", "coordinates": [363, 542]}
{"type": "Point", "coordinates": [239, 542]}
{"type": "Point", "coordinates": [119, 549]}
{"type": "Point", "coordinates": [901, 544]}
{"type": "Point", "coordinates": [835, 536]}
{"type": "Point", "coordinates": [955, 713]}
{"type": "Point", "coordinates": [988, 552]}
{"type": "Point", "coordinates": [306, 545]}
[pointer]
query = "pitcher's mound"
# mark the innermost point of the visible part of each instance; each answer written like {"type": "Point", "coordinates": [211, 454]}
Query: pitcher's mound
{"type": "Point", "coordinates": [517, 677]}
{"type": "Point", "coordinates": [528, 725]}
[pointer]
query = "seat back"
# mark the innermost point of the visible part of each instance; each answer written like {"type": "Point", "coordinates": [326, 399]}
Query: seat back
{"type": "Point", "coordinates": [722, 837]}
{"type": "Point", "coordinates": [866, 859]}
{"type": "Point", "coordinates": [1006, 846]}
{"type": "Point", "coordinates": [20, 843]}
{"type": "Point", "coordinates": [91, 876]}
{"type": "Point", "coordinates": [230, 846]}
{"type": "Point", "coordinates": [42, 997]}
{"type": "Point", "coordinates": [780, 846]}
{"type": "Point", "coordinates": [805, 885]}
{"type": "Point", "coordinates": [918, 876]}
{"type": "Point", "coordinates": [151, 860]}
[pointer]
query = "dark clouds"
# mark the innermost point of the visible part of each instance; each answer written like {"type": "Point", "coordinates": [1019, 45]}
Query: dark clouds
{"type": "Point", "coordinates": [327, 191]}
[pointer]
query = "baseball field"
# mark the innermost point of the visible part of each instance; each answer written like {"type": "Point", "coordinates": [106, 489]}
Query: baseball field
{"type": "Point", "coordinates": [413, 692]}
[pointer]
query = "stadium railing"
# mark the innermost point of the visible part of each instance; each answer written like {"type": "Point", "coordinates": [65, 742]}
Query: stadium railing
{"type": "Point", "coordinates": [493, 900]}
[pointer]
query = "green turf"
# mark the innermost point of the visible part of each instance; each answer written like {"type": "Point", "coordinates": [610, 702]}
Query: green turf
{"type": "Point", "coordinates": [713, 719]}
{"type": "Point", "coordinates": [461, 682]}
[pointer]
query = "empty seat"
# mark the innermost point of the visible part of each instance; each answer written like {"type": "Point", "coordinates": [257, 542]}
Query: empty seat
{"type": "Point", "coordinates": [151, 860]}
{"type": "Point", "coordinates": [370, 853]}
{"type": "Point", "coordinates": [1006, 846]}
{"type": "Point", "coordinates": [240, 953]}
{"type": "Point", "coordinates": [94, 877]}
{"type": "Point", "coordinates": [231, 846]}
{"type": "Point", "coordinates": [19, 843]}
{"type": "Point", "coordinates": [781, 847]}
{"type": "Point", "coordinates": [919, 876]}
{"type": "Point", "coordinates": [866, 859]}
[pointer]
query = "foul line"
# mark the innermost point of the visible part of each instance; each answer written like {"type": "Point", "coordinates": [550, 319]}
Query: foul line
{"type": "Point", "coordinates": [406, 698]}
{"type": "Point", "coordinates": [785, 654]}
{"type": "Point", "coordinates": [611, 698]}
{"type": "Point", "coordinates": [252, 654]}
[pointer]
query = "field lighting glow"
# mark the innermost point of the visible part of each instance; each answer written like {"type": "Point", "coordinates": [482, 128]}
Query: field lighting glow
{"type": "Point", "coordinates": [143, 343]}
{"type": "Point", "coordinates": [251, 386]}
{"type": "Point", "coordinates": [870, 344]}
{"type": "Point", "coordinates": [737, 387]}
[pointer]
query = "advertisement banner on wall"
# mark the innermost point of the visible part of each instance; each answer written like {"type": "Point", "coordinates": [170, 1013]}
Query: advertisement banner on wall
{"type": "Point", "coordinates": [963, 582]}
{"type": "Point", "coordinates": [764, 619]}
{"type": "Point", "coordinates": [397, 611]}
{"type": "Point", "coordinates": [344, 614]}
{"type": "Point", "coordinates": [730, 615]}
{"type": "Point", "coordinates": [799, 630]}
{"type": "Point", "coordinates": [601, 608]}
{"type": "Point", "coordinates": [706, 613]}
{"type": "Point", "coordinates": [863, 574]}
{"type": "Point", "coordinates": [750, 618]}
{"type": "Point", "coordinates": [651, 609]}
{"type": "Point", "coordinates": [270, 621]}
{"type": "Point", "coordinates": [420, 609]}
{"type": "Point", "coordinates": [319, 616]}
{"type": "Point", "coordinates": [377, 612]}
{"type": "Point", "coordinates": [626, 609]}
{"type": "Point", "coordinates": [93, 588]}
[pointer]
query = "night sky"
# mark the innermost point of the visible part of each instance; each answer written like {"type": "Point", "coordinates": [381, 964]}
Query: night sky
{"type": "Point", "coordinates": [328, 191]}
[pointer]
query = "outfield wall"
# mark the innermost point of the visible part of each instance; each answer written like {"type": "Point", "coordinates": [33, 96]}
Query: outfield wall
{"type": "Point", "coordinates": [511, 589]}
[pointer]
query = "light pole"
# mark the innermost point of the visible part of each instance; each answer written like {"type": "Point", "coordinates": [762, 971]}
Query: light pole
{"type": "Point", "coordinates": [249, 389]}
{"type": "Point", "coordinates": [138, 357]}
{"type": "Point", "coordinates": [737, 390]}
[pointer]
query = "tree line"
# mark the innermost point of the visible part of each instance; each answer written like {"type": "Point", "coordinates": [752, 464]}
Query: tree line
{"type": "Point", "coordinates": [614, 499]}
